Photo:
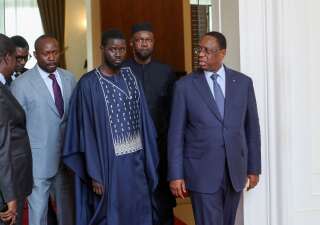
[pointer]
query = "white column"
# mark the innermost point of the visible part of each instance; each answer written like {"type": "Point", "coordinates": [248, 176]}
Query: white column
{"type": "Point", "coordinates": [93, 33]}
{"type": "Point", "coordinates": [279, 47]}
{"type": "Point", "coordinates": [225, 19]}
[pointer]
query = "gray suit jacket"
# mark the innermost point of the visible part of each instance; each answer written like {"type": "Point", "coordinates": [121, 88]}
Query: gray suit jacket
{"type": "Point", "coordinates": [44, 125]}
{"type": "Point", "coordinates": [15, 153]}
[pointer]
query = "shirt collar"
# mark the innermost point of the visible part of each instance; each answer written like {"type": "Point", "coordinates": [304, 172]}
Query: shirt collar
{"type": "Point", "coordinates": [221, 72]}
{"type": "Point", "coordinates": [16, 74]}
{"type": "Point", "coordinates": [45, 74]}
{"type": "Point", "coordinates": [2, 79]}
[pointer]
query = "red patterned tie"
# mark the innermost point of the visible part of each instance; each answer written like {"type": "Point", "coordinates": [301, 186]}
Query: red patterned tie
{"type": "Point", "coordinates": [58, 99]}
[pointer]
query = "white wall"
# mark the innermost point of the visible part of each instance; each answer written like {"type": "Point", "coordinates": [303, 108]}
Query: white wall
{"type": "Point", "coordinates": [279, 45]}
{"type": "Point", "coordinates": [75, 36]}
{"type": "Point", "coordinates": [226, 20]}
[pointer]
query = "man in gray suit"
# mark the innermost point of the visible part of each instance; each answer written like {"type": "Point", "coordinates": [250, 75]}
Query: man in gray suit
{"type": "Point", "coordinates": [15, 152]}
{"type": "Point", "coordinates": [44, 93]}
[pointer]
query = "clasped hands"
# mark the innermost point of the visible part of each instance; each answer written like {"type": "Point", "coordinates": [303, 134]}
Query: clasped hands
{"type": "Point", "coordinates": [9, 216]}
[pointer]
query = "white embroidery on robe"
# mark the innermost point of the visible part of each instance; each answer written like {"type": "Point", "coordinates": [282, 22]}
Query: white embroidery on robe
{"type": "Point", "coordinates": [124, 115]}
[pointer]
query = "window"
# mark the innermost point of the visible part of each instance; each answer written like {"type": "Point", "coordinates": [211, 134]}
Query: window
{"type": "Point", "coordinates": [2, 16]}
{"type": "Point", "coordinates": [22, 17]}
{"type": "Point", "coordinates": [201, 23]}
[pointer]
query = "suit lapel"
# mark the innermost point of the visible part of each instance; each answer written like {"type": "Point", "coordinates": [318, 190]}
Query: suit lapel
{"type": "Point", "coordinates": [42, 88]}
{"type": "Point", "coordinates": [12, 100]}
{"type": "Point", "coordinates": [65, 89]}
{"type": "Point", "coordinates": [202, 87]}
{"type": "Point", "coordinates": [231, 87]}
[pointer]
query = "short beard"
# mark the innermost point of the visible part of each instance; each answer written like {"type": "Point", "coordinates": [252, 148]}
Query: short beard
{"type": "Point", "coordinates": [113, 66]}
{"type": "Point", "coordinates": [19, 69]}
{"type": "Point", "coordinates": [143, 57]}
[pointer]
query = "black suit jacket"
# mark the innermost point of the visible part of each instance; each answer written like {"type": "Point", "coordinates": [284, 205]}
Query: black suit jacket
{"type": "Point", "coordinates": [15, 153]}
{"type": "Point", "coordinates": [9, 80]}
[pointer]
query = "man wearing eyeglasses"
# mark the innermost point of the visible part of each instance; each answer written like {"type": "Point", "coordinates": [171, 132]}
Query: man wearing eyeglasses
{"type": "Point", "coordinates": [22, 56]}
{"type": "Point", "coordinates": [157, 80]}
{"type": "Point", "coordinates": [214, 136]}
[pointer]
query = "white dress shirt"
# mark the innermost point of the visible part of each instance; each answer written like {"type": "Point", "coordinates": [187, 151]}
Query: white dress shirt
{"type": "Point", "coordinates": [48, 81]}
{"type": "Point", "coordinates": [221, 79]}
{"type": "Point", "coordinates": [2, 79]}
{"type": "Point", "coordinates": [13, 76]}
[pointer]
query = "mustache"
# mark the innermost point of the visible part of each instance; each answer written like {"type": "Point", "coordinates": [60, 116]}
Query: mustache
{"type": "Point", "coordinates": [143, 55]}
{"type": "Point", "coordinates": [112, 65]}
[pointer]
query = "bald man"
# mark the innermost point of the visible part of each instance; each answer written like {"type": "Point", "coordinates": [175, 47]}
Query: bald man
{"type": "Point", "coordinates": [44, 93]}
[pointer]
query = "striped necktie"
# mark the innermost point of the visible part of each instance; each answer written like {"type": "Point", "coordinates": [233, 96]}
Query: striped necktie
{"type": "Point", "coordinates": [218, 94]}
{"type": "Point", "coordinates": [58, 99]}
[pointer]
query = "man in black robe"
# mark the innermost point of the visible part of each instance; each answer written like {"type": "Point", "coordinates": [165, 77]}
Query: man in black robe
{"type": "Point", "coordinates": [111, 144]}
{"type": "Point", "coordinates": [157, 80]}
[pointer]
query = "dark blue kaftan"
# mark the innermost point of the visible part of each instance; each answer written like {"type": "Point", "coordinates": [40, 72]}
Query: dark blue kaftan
{"type": "Point", "coordinates": [110, 138]}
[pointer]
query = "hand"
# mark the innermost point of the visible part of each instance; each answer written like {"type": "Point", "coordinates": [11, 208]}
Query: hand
{"type": "Point", "coordinates": [178, 188]}
{"type": "Point", "coordinates": [10, 214]}
{"type": "Point", "coordinates": [253, 181]}
{"type": "Point", "coordinates": [97, 187]}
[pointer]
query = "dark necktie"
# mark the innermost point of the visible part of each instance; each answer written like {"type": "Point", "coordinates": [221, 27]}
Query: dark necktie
{"type": "Point", "coordinates": [7, 86]}
{"type": "Point", "coordinates": [58, 99]}
{"type": "Point", "coordinates": [218, 94]}
{"type": "Point", "coordinates": [9, 81]}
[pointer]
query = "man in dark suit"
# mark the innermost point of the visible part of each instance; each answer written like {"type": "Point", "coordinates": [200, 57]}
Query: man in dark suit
{"type": "Point", "coordinates": [15, 152]}
{"type": "Point", "coordinates": [214, 136]}
{"type": "Point", "coordinates": [157, 81]}
{"type": "Point", "coordinates": [22, 56]}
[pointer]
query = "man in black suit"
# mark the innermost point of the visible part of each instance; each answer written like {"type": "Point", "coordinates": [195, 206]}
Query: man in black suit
{"type": "Point", "coordinates": [22, 57]}
{"type": "Point", "coordinates": [22, 54]}
{"type": "Point", "coordinates": [15, 153]}
{"type": "Point", "coordinates": [157, 80]}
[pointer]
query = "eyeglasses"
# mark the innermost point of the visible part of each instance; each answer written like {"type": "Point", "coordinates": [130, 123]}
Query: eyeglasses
{"type": "Point", "coordinates": [115, 50]}
{"type": "Point", "coordinates": [207, 51]}
{"type": "Point", "coordinates": [142, 40]}
{"type": "Point", "coordinates": [23, 58]}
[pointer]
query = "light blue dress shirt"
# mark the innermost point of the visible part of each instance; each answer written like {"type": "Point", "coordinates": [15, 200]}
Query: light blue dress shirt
{"type": "Point", "coordinates": [221, 80]}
